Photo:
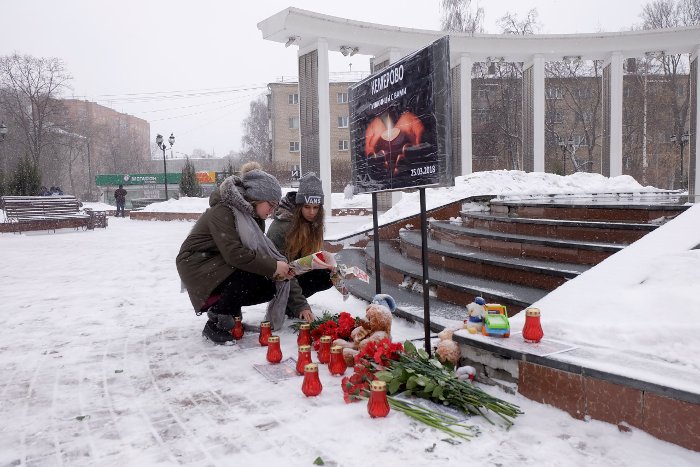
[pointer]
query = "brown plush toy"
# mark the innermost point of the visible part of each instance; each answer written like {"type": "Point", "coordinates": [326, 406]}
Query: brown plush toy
{"type": "Point", "coordinates": [374, 328]}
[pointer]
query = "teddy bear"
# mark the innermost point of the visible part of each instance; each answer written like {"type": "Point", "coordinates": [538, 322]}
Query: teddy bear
{"type": "Point", "coordinates": [447, 350]}
{"type": "Point", "coordinates": [374, 328]}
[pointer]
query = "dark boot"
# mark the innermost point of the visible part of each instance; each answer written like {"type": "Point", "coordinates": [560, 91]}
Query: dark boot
{"type": "Point", "coordinates": [215, 334]}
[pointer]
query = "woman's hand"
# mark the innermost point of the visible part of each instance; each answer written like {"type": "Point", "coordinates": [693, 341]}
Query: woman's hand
{"type": "Point", "coordinates": [282, 270]}
{"type": "Point", "coordinates": [307, 315]}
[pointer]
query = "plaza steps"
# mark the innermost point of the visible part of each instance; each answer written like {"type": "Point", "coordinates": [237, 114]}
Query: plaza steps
{"type": "Point", "coordinates": [514, 253]}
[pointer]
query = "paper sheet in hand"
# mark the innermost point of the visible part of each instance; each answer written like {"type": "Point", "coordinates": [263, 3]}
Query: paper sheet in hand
{"type": "Point", "coordinates": [285, 369]}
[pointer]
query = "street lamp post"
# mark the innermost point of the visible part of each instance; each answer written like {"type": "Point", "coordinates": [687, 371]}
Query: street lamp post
{"type": "Point", "coordinates": [161, 145]}
{"type": "Point", "coordinates": [3, 133]}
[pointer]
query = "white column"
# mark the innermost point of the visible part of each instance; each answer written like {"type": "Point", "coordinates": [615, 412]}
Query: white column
{"type": "Point", "coordinates": [324, 123]}
{"type": "Point", "coordinates": [538, 112]}
{"type": "Point", "coordinates": [694, 149]}
{"type": "Point", "coordinates": [616, 76]}
{"type": "Point", "coordinates": [465, 112]}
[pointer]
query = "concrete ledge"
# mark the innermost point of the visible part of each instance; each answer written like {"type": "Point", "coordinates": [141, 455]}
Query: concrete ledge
{"type": "Point", "coordinates": [164, 216]}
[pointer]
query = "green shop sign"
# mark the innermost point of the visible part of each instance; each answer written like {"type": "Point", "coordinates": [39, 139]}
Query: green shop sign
{"type": "Point", "coordinates": [136, 179]}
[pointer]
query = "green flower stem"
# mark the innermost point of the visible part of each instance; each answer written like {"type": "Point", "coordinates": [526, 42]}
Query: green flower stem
{"type": "Point", "coordinates": [442, 422]}
{"type": "Point", "coordinates": [456, 392]}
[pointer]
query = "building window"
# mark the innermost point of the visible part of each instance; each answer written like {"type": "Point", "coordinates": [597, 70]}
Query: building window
{"type": "Point", "coordinates": [294, 146]}
{"type": "Point", "coordinates": [342, 122]}
{"type": "Point", "coordinates": [585, 116]}
{"type": "Point", "coordinates": [554, 93]}
{"type": "Point", "coordinates": [342, 97]}
{"type": "Point", "coordinates": [294, 98]}
{"type": "Point", "coordinates": [555, 117]}
{"type": "Point", "coordinates": [343, 145]}
{"type": "Point", "coordinates": [584, 93]}
{"type": "Point", "coordinates": [293, 122]}
{"type": "Point", "coordinates": [482, 93]}
{"type": "Point", "coordinates": [579, 140]}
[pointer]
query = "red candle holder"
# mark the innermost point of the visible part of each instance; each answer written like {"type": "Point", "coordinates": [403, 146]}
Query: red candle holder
{"type": "Point", "coordinates": [304, 337]}
{"type": "Point", "coordinates": [304, 358]}
{"type": "Point", "coordinates": [265, 332]}
{"type": "Point", "coordinates": [324, 350]}
{"type": "Point", "coordinates": [312, 384]}
{"type": "Point", "coordinates": [532, 331]}
{"type": "Point", "coordinates": [378, 404]}
{"type": "Point", "coordinates": [337, 365]}
{"type": "Point", "coordinates": [274, 353]}
{"type": "Point", "coordinates": [237, 331]}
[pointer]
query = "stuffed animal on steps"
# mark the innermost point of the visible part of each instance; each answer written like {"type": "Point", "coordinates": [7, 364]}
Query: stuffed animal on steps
{"type": "Point", "coordinates": [374, 328]}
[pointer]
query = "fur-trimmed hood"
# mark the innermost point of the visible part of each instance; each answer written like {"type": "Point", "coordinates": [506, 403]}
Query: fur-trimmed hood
{"type": "Point", "coordinates": [285, 210]}
{"type": "Point", "coordinates": [231, 195]}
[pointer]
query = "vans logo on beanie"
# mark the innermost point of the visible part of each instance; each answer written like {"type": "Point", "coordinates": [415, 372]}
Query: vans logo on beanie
{"type": "Point", "coordinates": [312, 199]}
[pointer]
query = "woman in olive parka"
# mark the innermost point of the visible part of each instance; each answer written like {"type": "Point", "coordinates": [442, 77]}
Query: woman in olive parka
{"type": "Point", "coordinates": [227, 262]}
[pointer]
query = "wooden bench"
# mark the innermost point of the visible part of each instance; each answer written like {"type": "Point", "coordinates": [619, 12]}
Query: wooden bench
{"type": "Point", "coordinates": [27, 213]}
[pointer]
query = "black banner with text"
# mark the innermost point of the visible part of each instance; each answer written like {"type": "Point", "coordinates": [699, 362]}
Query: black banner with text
{"type": "Point", "coordinates": [400, 123]}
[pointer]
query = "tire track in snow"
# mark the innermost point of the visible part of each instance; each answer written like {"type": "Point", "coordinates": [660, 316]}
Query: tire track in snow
{"type": "Point", "coordinates": [27, 404]}
{"type": "Point", "coordinates": [85, 422]}
{"type": "Point", "coordinates": [54, 416]}
{"type": "Point", "coordinates": [298, 441]}
{"type": "Point", "coordinates": [110, 404]}
{"type": "Point", "coordinates": [160, 394]}
{"type": "Point", "coordinates": [191, 397]}
{"type": "Point", "coordinates": [147, 420]}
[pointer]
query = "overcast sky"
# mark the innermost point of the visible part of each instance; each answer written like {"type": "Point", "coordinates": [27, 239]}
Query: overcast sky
{"type": "Point", "coordinates": [138, 56]}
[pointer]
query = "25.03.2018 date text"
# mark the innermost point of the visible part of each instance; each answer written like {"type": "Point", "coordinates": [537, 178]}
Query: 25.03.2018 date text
{"type": "Point", "coordinates": [428, 169]}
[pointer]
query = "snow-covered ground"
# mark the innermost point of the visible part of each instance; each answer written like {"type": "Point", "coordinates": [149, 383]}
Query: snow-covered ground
{"type": "Point", "coordinates": [102, 363]}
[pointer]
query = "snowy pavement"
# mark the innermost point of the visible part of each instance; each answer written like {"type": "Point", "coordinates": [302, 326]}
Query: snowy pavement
{"type": "Point", "coordinates": [102, 363]}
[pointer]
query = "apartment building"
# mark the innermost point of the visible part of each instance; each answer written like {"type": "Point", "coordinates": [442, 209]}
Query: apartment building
{"type": "Point", "coordinates": [283, 106]}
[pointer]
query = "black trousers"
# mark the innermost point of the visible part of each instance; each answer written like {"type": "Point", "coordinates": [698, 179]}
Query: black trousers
{"type": "Point", "coordinates": [315, 281]}
{"type": "Point", "coordinates": [242, 288]}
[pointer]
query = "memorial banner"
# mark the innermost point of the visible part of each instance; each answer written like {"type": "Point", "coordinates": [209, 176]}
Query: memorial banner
{"type": "Point", "coordinates": [400, 123]}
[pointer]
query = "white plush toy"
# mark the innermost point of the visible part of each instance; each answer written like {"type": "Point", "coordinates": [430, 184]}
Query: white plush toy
{"type": "Point", "coordinates": [475, 315]}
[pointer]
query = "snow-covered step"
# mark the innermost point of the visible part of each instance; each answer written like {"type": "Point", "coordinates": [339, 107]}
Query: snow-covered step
{"type": "Point", "coordinates": [568, 251]}
{"type": "Point", "coordinates": [622, 233]}
{"type": "Point", "coordinates": [513, 269]}
{"type": "Point", "coordinates": [449, 286]}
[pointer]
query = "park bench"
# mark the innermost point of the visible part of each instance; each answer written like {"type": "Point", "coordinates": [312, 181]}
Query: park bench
{"type": "Point", "coordinates": [27, 213]}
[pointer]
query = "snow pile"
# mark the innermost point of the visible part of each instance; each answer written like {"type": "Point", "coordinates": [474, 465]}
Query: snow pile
{"type": "Point", "coordinates": [513, 184]}
{"type": "Point", "coordinates": [642, 300]}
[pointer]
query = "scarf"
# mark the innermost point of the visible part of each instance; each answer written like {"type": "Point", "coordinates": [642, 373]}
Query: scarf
{"type": "Point", "coordinates": [253, 238]}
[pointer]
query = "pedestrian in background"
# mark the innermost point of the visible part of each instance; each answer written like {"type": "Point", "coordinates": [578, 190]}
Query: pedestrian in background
{"type": "Point", "coordinates": [120, 198]}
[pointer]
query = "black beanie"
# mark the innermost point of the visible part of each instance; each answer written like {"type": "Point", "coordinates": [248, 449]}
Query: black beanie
{"type": "Point", "coordinates": [310, 190]}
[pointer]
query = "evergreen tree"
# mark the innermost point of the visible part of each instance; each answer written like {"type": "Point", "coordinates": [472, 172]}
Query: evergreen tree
{"type": "Point", "coordinates": [189, 185]}
{"type": "Point", "coordinates": [26, 179]}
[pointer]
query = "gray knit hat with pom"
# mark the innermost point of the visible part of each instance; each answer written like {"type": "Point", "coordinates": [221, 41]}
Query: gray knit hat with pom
{"type": "Point", "coordinates": [310, 190]}
{"type": "Point", "coordinates": [261, 186]}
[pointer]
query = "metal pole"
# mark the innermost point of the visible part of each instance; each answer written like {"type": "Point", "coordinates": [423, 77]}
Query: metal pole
{"type": "Point", "coordinates": [165, 173]}
{"type": "Point", "coordinates": [426, 276]}
{"type": "Point", "coordinates": [377, 263]}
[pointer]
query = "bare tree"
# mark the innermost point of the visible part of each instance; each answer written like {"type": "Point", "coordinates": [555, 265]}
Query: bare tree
{"type": "Point", "coordinates": [459, 16]}
{"type": "Point", "coordinates": [659, 14]}
{"type": "Point", "coordinates": [256, 137]}
{"type": "Point", "coordinates": [689, 11]}
{"type": "Point", "coordinates": [573, 89]}
{"type": "Point", "coordinates": [30, 87]}
{"type": "Point", "coordinates": [510, 23]}
{"type": "Point", "coordinates": [498, 100]}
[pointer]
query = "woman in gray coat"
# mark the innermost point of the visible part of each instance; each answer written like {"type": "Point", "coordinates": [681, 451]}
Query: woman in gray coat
{"type": "Point", "coordinates": [227, 262]}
